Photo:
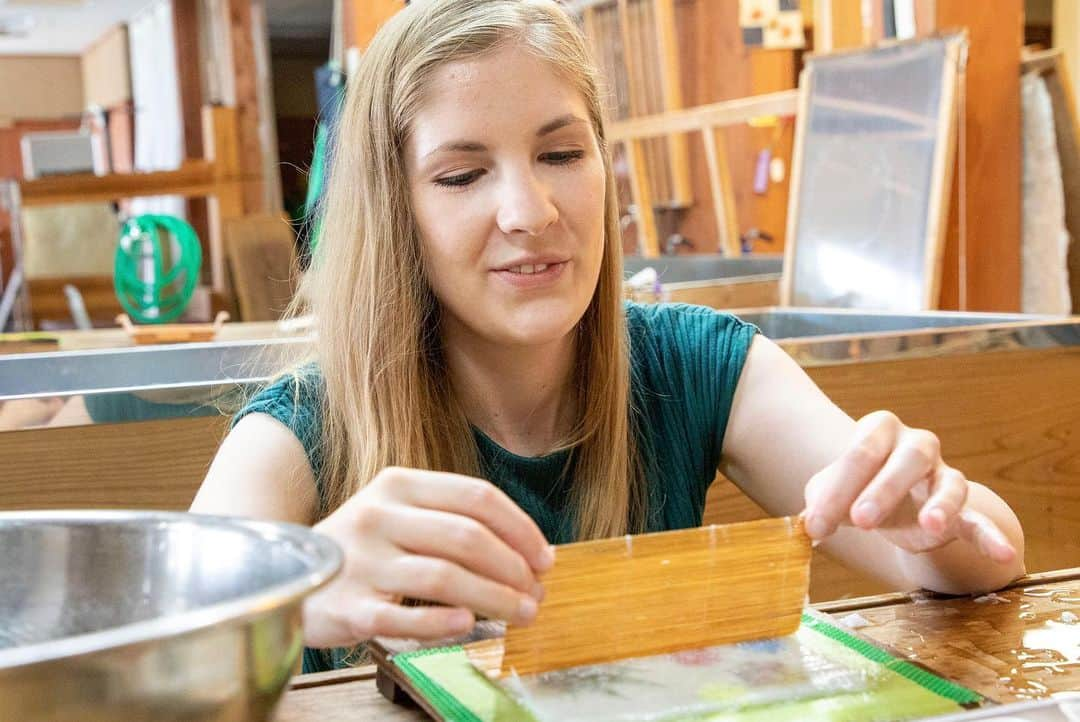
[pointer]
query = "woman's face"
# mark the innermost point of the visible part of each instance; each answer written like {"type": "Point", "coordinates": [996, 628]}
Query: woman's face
{"type": "Point", "coordinates": [507, 187]}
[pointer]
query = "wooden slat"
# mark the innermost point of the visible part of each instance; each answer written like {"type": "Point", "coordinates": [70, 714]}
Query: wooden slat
{"type": "Point", "coordinates": [671, 81]}
{"type": "Point", "coordinates": [657, 593]}
{"type": "Point", "coordinates": [728, 112]}
{"type": "Point", "coordinates": [727, 226]}
{"type": "Point", "coordinates": [642, 28]}
{"type": "Point", "coordinates": [193, 178]}
{"type": "Point", "coordinates": [641, 192]}
{"type": "Point", "coordinates": [941, 180]}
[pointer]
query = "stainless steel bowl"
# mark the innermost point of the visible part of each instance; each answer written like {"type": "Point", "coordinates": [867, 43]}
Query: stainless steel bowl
{"type": "Point", "coordinates": [151, 616]}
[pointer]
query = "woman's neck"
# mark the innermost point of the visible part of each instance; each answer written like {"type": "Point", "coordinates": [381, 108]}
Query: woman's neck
{"type": "Point", "coordinates": [519, 396]}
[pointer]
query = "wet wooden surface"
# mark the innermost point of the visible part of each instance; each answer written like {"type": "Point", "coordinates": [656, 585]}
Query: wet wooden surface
{"type": "Point", "coordinates": [1019, 644]}
{"type": "Point", "coordinates": [1011, 646]}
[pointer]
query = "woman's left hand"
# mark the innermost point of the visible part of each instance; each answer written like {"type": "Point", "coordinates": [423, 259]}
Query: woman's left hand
{"type": "Point", "coordinates": [892, 479]}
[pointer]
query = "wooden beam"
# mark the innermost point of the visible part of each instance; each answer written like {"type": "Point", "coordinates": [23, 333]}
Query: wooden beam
{"type": "Point", "coordinates": [193, 178]}
{"type": "Point", "coordinates": [727, 112]}
{"type": "Point", "coordinates": [981, 268]}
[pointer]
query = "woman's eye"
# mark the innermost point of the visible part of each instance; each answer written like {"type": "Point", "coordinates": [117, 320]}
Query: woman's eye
{"type": "Point", "coordinates": [563, 157]}
{"type": "Point", "coordinates": [457, 181]}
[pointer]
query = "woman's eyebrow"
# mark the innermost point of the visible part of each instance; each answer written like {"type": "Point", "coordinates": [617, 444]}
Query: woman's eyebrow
{"type": "Point", "coordinates": [561, 122]}
{"type": "Point", "coordinates": [468, 146]}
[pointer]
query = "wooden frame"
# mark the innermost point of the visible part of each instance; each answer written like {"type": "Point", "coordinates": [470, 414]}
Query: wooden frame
{"type": "Point", "coordinates": [940, 184]}
{"type": "Point", "coordinates": [704, 119]}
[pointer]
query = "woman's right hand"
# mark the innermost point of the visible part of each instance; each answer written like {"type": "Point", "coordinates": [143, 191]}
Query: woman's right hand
{"type": "Point", "coordinates": [438, 537]}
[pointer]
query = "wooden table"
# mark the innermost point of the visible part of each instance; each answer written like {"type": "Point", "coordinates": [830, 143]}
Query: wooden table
{"type": "Point", "coordinates": [1019, 644]}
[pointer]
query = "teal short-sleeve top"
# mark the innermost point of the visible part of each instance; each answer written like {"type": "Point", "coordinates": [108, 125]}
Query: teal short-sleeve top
{"type": "Point", "coordinates": [685, 360]}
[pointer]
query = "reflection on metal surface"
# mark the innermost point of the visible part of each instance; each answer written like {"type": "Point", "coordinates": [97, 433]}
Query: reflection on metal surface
{"type": "Point", "coordinates": [705, 267]}
{"type": "Point", "coordinates": [144, 383]}
{"type": "Point", "coordinates": [125, 615]}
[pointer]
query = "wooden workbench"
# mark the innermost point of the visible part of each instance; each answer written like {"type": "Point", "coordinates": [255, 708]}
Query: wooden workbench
{"type": "Point", "coordinates": [1019, 644]}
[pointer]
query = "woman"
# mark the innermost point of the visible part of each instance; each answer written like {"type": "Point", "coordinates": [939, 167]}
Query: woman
{"type": "Point", "coordinates": [479, 389]}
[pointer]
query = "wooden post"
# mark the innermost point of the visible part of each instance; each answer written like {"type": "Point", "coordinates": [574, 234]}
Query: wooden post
{"type": "Point", "coordinates": [981, 267]}
{"type": "Point", "coordinates": [670, 76]}
{"type": "Point", "coordinates": [641, 192]}
{"type": "Point", "coordinates": [186, 30]}
{"type": "Point", "coordinates": [223, 152]}
{"type": "Point", "coordinates": [247, 103]}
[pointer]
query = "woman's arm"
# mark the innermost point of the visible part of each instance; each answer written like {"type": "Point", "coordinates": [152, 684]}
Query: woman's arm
{"type": "Point", "coordinates": [260, 471]}
{"type": "Point", "coordinates": [787, 445]}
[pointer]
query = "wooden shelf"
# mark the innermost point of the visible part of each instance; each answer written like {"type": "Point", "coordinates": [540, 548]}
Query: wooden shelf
{"type": "Point", "coordinates": [194, 178]}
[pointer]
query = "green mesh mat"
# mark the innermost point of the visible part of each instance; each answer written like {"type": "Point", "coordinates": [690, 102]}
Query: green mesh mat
{"type": "Point", "coordinates": [452, 686]}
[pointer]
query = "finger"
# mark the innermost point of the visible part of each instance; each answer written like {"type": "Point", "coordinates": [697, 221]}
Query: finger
{"type": "Point", "coordinates": [462, 540]}
{"type": "Point", "coordinates": [948, 494]}
{"type": "Point", "coordinates": [424, 622]}
{"type": "Point", "coordinates": [834, 488]}
{"type": "Point", "coordinates": [914, 457]}
{"type": "Point", "coordinates": [437, 580]}
{"type": "Point", "coordinates": [978, 529]}
{"type": "Point", "coordinates": [482, 501]}
{"type": "Point", "coordinates": [359, 620]}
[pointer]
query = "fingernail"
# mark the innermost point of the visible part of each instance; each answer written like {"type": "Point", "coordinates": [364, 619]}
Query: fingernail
{"type": "Point", "coordinates": [816, 526]}
{"type": "Point", "coordinates": [547, 559]}
{"type": "Point", "coordinates": [869, 512]}
{"type": "Point", "coordinates": [538, 592]}
{"type": "Point", "coordinates": [462, 620]}
{"type": "Point", "coordinates": [527, 610]}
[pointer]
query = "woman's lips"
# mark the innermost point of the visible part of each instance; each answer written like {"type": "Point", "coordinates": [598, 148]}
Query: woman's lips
{"type": "Point", "coordinates": [521, 277]}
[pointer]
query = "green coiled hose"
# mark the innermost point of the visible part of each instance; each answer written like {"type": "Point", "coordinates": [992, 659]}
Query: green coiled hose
{"type": "Point", "coordinates": [160, 295]}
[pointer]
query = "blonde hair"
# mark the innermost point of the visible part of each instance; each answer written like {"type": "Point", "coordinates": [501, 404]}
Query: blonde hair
{"type": "Point", "coordinates": [388, 400]}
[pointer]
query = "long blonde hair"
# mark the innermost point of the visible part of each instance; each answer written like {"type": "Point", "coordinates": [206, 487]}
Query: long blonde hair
{"type": "Point", "coordinates": [388, 400]}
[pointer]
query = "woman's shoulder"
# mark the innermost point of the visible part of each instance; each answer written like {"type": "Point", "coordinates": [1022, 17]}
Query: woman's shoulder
{"type": "Point", "coordinates": [674, 326]}
{"type": "Point", "coordinates": [295, 398]}
{"type": "Point", "coordinates": [298, 388]}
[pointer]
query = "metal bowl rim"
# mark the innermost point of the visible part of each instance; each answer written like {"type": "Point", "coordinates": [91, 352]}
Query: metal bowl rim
{"type": "Point", "coordinates": [235, 611]}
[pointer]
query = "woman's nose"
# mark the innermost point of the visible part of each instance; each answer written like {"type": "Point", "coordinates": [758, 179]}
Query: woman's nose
{"type": "Point", "coordinates": [525, 205]}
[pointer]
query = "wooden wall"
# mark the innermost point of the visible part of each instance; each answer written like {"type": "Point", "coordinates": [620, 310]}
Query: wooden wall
{"type": "Point", "coordinates": [40, 86]}
{"type": "Point", "coordinates": [982, 266]}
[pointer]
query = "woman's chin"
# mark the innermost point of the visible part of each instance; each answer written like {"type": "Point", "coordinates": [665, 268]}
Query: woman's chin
{"type": "Point", "coordinates": [538, 326]}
